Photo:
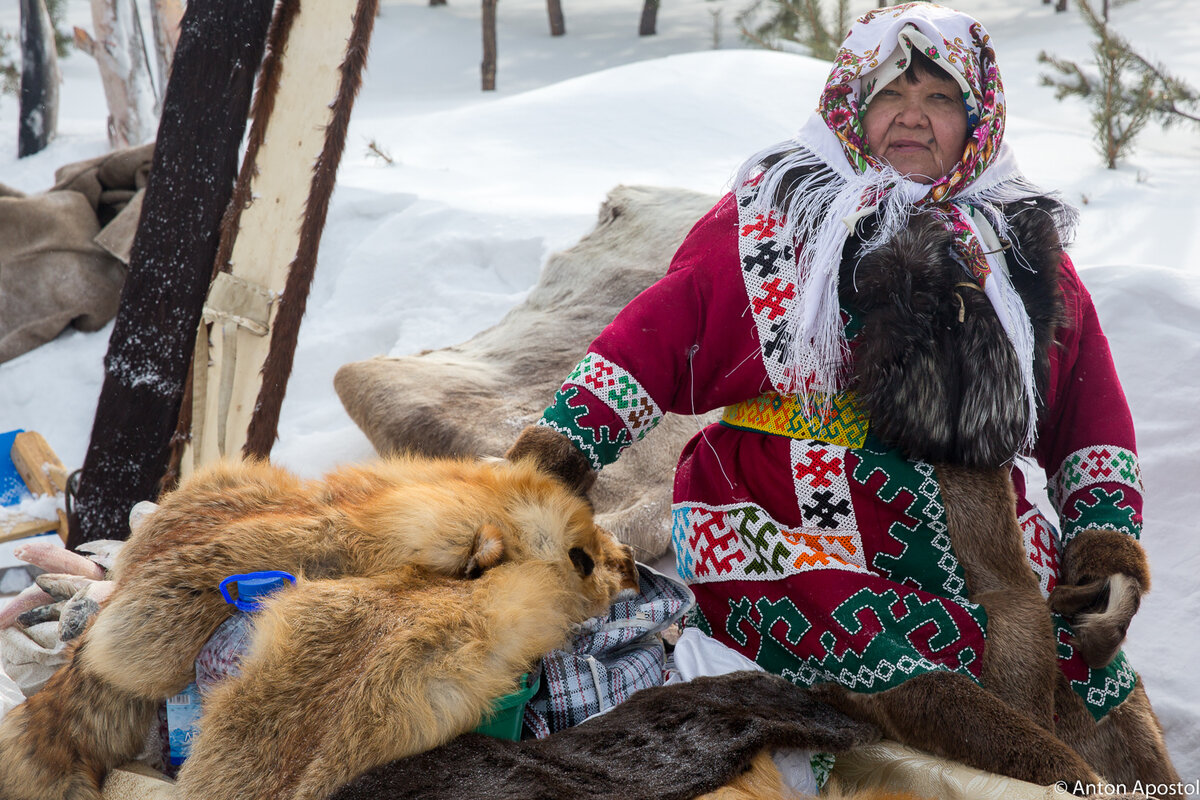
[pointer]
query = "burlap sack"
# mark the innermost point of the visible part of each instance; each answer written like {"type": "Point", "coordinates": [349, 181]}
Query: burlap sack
{"type": "Point", "coordinates": [63, 253]}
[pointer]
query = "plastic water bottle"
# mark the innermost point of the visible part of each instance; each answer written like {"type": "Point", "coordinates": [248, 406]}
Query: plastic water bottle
{"type": "Point", "coordinates": [220, 657]}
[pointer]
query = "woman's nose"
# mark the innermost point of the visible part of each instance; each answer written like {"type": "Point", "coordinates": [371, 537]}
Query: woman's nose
{"type": "Point", "coordinates": [911, 114]}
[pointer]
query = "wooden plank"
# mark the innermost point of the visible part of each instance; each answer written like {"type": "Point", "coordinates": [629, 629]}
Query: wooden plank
{"type": "Point", "coordinates": [42, 472]}
{"type": "Point", "coordinates": [38, 465]}
{"type": "Point", "coordinates": [27, 526]}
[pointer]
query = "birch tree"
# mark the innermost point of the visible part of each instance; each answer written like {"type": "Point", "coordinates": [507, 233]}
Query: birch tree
{"type": "Point", "coordinates": [119, 47]}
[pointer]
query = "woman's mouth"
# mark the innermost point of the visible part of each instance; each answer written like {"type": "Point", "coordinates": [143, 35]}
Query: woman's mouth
{"type": "Point", "coordinates": [907, 145]}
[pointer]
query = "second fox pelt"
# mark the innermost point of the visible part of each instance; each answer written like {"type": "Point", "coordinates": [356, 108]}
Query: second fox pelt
{"type": "Point", "coordinates": [426, 587]}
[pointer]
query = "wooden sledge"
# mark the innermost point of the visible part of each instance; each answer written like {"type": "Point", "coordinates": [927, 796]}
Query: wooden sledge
{"type": "Point", "coordinates": [316, 51]}
{"type": "Point", "coordinates": [42, 473]}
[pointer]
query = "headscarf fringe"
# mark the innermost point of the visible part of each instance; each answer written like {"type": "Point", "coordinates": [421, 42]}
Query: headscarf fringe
{"type": "Point", "coordinates": [817, 203]}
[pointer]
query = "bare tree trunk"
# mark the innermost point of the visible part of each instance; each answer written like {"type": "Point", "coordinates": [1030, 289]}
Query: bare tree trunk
{"type": "Point", "coordinates": [191, 180]}
{"type": "Point", "coordinates": [649, 23]}
{"type": "Point", "coordinates": [1061, 6]}
{"type": "Point", "coordinates": [39, 79]}
{"type": "Point", "coordinates": [488, 67]}
{"type": "Point", "coordinates": [120, 53]}
{"type": "Point", "coordinates": [165, 16]}
{"type": "Point", "coordinates": [437, 2]}
{"type": "Point", "coordinates": [557, 26]}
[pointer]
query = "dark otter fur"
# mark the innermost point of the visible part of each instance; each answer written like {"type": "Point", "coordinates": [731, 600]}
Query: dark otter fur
{"type": "Point", "coordinates": [664, 743]}
{"type": "Point", "coordinates": [932, 364]}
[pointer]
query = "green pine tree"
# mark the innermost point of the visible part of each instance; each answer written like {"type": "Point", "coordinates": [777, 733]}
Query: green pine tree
{"type": "Point", "coordinates": [1125, 92]}
{"type": "Point", "coordinates": [771, 23]}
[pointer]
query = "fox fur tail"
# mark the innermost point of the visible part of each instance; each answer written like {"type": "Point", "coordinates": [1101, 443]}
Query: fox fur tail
{"type": "Point", "coordinates": [61, 742]}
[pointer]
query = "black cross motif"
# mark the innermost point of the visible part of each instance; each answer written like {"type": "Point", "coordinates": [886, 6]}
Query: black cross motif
{"type": "Point", "coordinates": [778, 341]}
{"type": "Point", "coordinates": [763, 259]}
{"type": "Point", "coordinates": [825, 510]}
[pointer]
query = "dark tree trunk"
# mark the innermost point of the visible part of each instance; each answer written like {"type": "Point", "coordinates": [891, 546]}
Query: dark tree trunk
{"type": "Point", "coordinates": [1061, 6]}
{"type": "Point", "coordinates": [488, 67]}
{"type": "Point", "coordinates": [649, 23]}
{"type": "Point", "coordinates": [437, 2]}
{"type": "Point", "coordinates": [557, 25]}
{"type": "Point", "coordinates": [191, 179]}
{"type": "Point", "coordinates": [39, 79]}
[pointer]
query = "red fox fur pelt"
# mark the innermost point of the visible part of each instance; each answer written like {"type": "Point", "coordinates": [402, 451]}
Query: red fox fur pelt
{"type": "Point", "coordinates": [425, 588]}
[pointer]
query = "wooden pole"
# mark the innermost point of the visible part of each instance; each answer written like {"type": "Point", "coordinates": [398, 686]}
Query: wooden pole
{"type": "Point", "coordinates": [557, 25]}
{"type": "Point", "coordinates": [165, 16]}
{"type": "Point", "coordinates": [191, 179]}
{"type": "Point", "coordinates": [120, 55]}
{"type": "Point", "coordinates": [649, 23]}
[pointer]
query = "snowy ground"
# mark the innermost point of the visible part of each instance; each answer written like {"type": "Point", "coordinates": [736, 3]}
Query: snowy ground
{"type": "Point", "coordinates": [429, 250]}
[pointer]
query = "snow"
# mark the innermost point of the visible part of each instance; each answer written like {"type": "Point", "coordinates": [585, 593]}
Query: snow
{"type": "Point", "coordinates": [429, 250]}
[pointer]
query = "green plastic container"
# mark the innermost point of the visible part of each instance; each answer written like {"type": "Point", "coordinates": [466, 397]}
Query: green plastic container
{"type": "Point", "coordinates": [504, 720]}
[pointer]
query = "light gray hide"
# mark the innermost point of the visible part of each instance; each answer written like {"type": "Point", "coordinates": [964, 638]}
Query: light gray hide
{"type": "Point", "coordinates": [474, 398]}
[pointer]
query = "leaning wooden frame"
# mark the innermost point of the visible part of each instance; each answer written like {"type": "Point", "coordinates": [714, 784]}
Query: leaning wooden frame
{"type": "Point", "coordinates": [191, 263]}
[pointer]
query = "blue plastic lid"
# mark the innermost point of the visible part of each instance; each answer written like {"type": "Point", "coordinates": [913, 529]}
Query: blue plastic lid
{"type": "Point", "coordinates": [252, 587]}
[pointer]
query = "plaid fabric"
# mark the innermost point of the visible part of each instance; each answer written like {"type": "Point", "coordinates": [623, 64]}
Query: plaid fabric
{"type": "Point", "coordinates": [610, 657]}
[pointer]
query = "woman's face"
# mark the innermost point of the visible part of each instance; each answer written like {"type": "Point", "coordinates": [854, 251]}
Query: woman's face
{"type": "Point", "coordinates": [919, 128]}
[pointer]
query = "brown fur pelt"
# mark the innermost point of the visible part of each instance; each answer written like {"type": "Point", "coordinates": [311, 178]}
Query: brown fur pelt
{"type": "Point", "coordinates": [385, 627]}
{"type": "Point", "coordinates": [666, 743]}
{"type": "Point", "coordinates": [1024, 721]}
{"type": "Point", "coordinates": [475, 398]}
{"type": "Point", "coordinates": [940, 381]}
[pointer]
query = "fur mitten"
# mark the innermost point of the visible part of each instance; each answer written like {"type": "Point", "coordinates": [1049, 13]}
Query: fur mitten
{"type": "Point", "coordinates": [556, 455]}
{"type": "Point", "coordinates": [1104, 577]}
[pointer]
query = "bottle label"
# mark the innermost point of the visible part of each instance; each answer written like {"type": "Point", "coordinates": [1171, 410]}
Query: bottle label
{"type": "Point", "coordinates": [183, 723]}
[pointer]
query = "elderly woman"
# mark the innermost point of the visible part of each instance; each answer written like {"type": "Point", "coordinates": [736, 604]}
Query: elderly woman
{"type": "Point", "coordinates": [883, 293]}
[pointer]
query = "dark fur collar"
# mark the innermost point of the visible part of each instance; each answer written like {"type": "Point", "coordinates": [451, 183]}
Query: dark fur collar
{"type": "Point", "coordinates": [939, 389]}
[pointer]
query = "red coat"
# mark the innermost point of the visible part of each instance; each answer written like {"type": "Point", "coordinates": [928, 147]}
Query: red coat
{"type": "Point", "coordinates": [827, 558]}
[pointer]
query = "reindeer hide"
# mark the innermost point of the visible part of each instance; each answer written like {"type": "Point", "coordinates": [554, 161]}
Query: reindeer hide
{"type": "Point", "coordinates": [474, 398]}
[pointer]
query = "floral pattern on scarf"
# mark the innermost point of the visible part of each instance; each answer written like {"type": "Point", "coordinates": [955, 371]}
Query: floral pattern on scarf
{"type": "Point", "coordinates": [975, 61]}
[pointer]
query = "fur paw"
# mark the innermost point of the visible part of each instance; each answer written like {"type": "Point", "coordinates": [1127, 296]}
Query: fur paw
{"type": "Point", "coordinates": [486, 551]}
{"type": "Point", "coordinates": [1100, 612]}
